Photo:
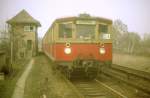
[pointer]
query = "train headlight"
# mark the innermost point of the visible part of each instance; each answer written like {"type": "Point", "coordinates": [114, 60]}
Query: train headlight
{"type": "Point", "coordinates": [67, 50]}
{"type": "Point", "coordinates": [102, 50]}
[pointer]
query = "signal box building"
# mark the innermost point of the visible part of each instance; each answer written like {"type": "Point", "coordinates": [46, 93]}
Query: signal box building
{"type": "Point", "coordinates": [23, 30]}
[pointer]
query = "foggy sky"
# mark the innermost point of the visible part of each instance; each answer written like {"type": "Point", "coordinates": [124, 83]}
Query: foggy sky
{"type": "Point", "coordinates": [134, 13]}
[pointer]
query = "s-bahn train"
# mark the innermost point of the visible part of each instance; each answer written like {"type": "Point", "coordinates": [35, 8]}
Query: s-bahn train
{"type": "Point", "coordinates": [79, 45]}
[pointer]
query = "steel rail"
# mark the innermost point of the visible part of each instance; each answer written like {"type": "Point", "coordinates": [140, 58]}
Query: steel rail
{"type": "Point", "coordinates": [111, 89]}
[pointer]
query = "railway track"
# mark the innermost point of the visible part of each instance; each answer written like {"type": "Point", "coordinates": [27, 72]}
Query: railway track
{"type": "Point", "coordinates": [85, 88]}
{"type": "Point", "coordinates": [96, 89]}
{"type": "Point", "coordinates": [139, 80]}
{"type": "Point", "coordinates": [114, 82]}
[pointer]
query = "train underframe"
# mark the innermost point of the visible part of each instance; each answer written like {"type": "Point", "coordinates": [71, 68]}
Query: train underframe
{"type": "Point", "coordinates": [81, 68]}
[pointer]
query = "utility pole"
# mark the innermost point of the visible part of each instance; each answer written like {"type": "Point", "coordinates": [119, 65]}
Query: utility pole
{"type": "Point", "coordinates": [11, 46]}
{"type": "Point", "coordinates": [36, 41]}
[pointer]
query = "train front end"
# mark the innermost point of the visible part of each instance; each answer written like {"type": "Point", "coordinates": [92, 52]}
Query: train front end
{"type": "Point", "coordinates": [82, 44]}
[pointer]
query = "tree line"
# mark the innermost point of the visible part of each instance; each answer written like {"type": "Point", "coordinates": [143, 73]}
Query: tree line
{"type": "Point", "coordinates": [129, 42]}
{"type": "Point", "coordinates": [123, 40]}
{"type": "Point", "coordinates": [4, 41]}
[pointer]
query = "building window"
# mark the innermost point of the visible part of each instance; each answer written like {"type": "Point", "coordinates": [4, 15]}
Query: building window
{"type": "Point", "coordinates": [65, 30]}
{"type": "Point", "coordinates": [29, 44]}
{"type": "Point", "coordinates": [22, 54]}
{"type": "Point", "coordinates": [29, 28]}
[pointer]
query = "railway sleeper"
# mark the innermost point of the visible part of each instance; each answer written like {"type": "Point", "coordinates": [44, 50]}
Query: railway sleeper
{"type": "Point", "coordinates": [131, 78]}
{"type": "Point", "coordinates": [135, 84]}
{"type": "Point", "coordinates": [91, 72]}
{"type": "Point", "coordinates": [128, 76]}
{"type": "Point", "coordinates": [142, 74]}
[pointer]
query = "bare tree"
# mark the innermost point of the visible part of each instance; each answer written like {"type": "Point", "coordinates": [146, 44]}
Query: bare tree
{"type": "Point", "coordinates": [123, 40]}
{"type": "Point", "coordinates": [4, 41]}
{"type": "Point", "coordinates": [118, 30]}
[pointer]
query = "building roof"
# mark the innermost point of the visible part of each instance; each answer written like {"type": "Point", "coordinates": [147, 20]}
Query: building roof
{"type": "Point", "coordinates": [23, 17]}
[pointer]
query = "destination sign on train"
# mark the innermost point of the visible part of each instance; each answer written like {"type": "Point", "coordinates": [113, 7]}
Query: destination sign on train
{"type": "Point", "coordinates": [86, 22]}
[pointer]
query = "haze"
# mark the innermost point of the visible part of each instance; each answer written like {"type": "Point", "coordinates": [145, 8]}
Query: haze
{"type": "Point", "coordinates": [134, 13]}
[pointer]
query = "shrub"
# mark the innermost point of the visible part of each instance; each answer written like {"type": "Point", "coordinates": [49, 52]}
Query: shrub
{"type": "Point", "coordinates": [5, 70]}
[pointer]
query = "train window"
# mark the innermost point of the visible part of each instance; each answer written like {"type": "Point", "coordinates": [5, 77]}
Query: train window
{"type": "Point", "coordinates": [65, 30]}
{"type": "Point", "coordinates": [85, 31]}
{"type": "Point", "coordinates": [103, 28]}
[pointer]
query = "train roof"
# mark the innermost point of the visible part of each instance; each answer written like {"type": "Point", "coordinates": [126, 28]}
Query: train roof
{"type": "Point", "coordinates": [81, 17]}
{"type": "Point", "coordinates": [84, 17]}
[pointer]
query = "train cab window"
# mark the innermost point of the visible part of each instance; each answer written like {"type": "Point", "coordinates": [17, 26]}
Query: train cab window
{"type": "Point", "coordinates": [103, 32]}
{"type": "Point", "coordinates": [103, 28]}
{"type": "Point", "coordinates": [85, 31]}
{"type": "Point", "coordinates": [65, 30]}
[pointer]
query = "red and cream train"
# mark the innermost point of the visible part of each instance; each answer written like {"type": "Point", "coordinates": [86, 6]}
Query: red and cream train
{"type": "Point", "coordinates": [79, 44]}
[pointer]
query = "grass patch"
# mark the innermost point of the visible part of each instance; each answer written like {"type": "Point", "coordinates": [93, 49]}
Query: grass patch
{"type": "Point", "coordinates": [7, 86]}
{"type": "Point", "coordinates": [132, 61]}
{"type": "Point", "coordinates": [43, 79]}
{"type": "Point", "coordinates": [36, 82]}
